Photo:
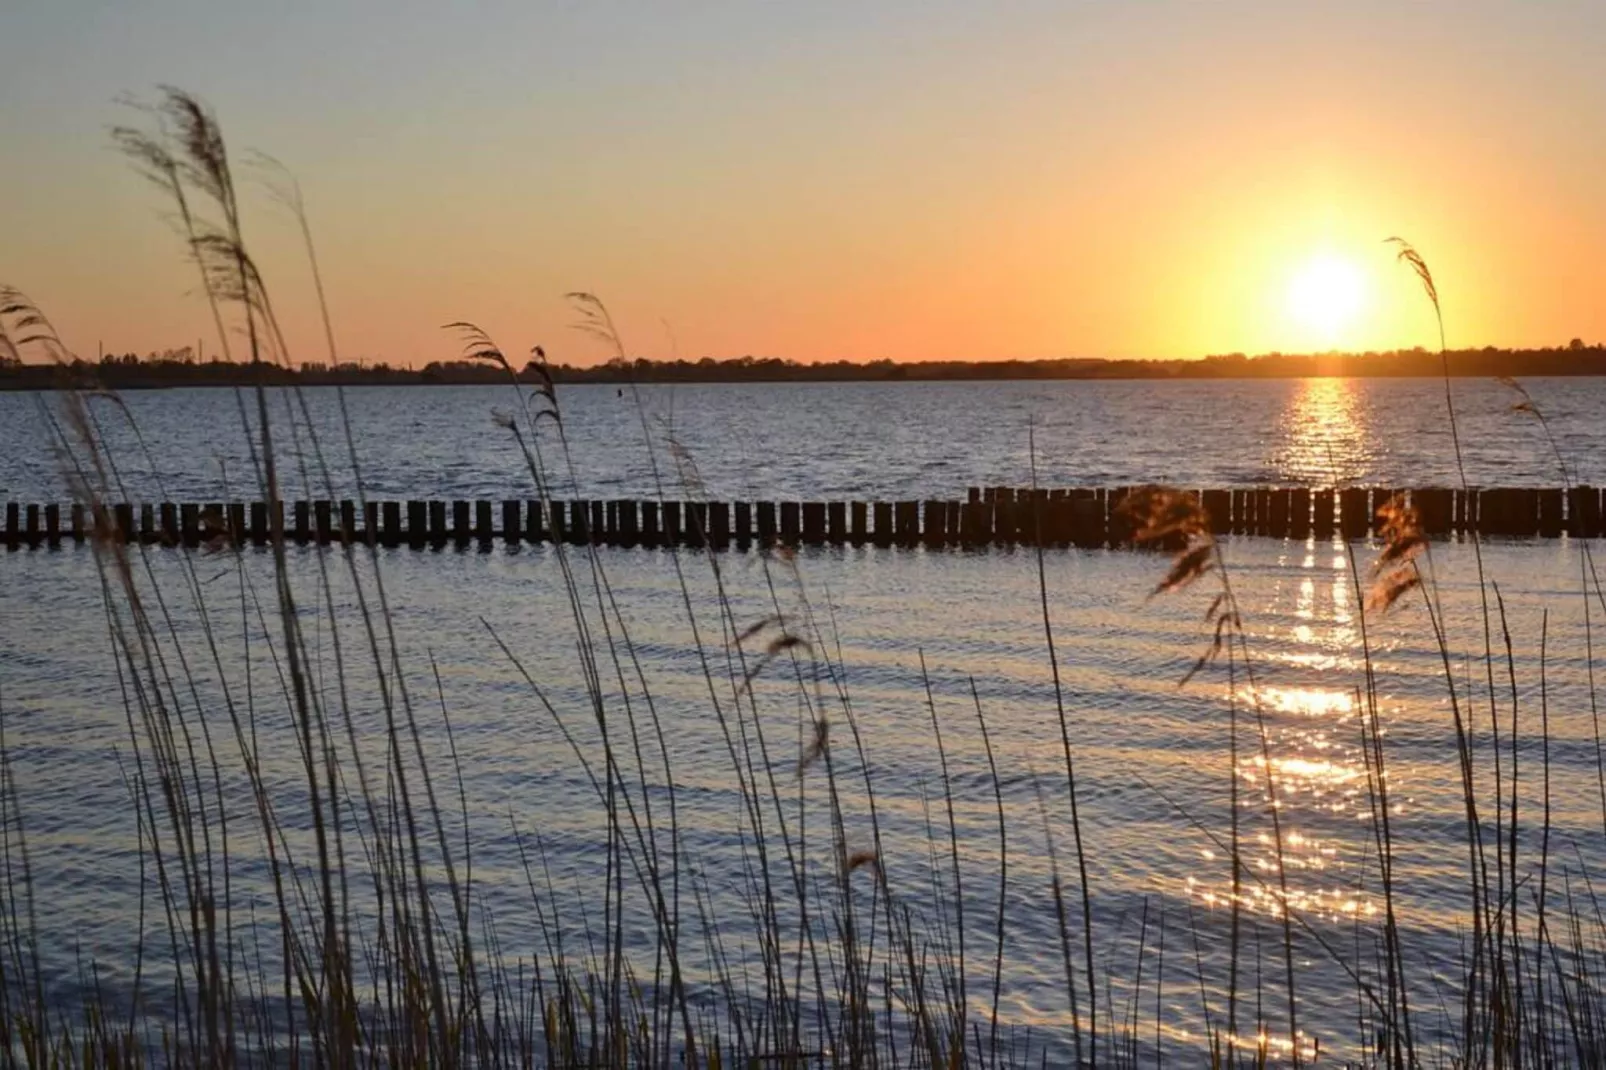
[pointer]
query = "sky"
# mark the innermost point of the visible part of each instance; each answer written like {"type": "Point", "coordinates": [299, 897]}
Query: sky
{"type": "Point", "coordinates": [819, 181]}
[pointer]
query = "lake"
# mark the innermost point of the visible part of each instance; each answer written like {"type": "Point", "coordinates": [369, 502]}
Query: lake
{"type": "Point", "coordinates": [877, 630]}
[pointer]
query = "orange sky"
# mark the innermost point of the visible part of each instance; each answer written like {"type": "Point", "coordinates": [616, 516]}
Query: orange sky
{"type": "Point", "coordinates": [924, 180]}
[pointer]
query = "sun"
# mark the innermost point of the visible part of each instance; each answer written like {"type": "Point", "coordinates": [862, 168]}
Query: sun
{"type": "Point", "coordinates": [1326, 296]}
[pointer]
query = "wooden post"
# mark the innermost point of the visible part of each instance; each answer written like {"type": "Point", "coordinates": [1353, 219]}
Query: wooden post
{"type": "Point", "coordinates": [629, 520]}
{"type": "Point", "coordinates": [1243, 511]}
{"type": "Point", "coordinates": [883, 523]}
{"type": "Point", "coordinates": [189, 523]}
{"type": "Point", "coordinates": [906, 520]}
{"type": "Point", "coordinates": [1218, 503]}
{"type": "Point", "coordinates": [147, 524]}
{"type": "Point", "coordinates": [1380, 497]}
{"type": "Point", "coordinates": [1281, 512]}
{"type": "Point", "coordinates": [767, 528]}
{"type": "Point", "coordinates": [859, 522]}
{"type": "Point", "coordinates": [1322, 522]}
{"type": "Point", "coordinates": [1004, 519]}
{"type": "Point", "coordinates": [672, 528]}
{"type": "Point", "coordinates": [390, 526]}
{"type": "Point", "coordinates": [417, 524]}
{"type": "Point", "coordinates": [13, 526]}
{"type": "Point", "coordinates": [719, 525]}
{"type": "Point", "coordinates": [1121, 527]}
{"type": "Point", "coordinates": [370, 523]}
{"type": "Point", "coordinates": [814, 523]}
{"type": "Point", "coordinates": [259, 523]}
{"type": "Point", "coordinates": [436, 533]}
{"type": "Point", "coordinates": [973, 495]}
{"type": "Point", "coordinates": [237, 523]}
{"type": "Point", "coordinates": [1090, 527]}
{"type": "Point", "coordinates": [77, 522]}
{"type": "Point", "coordinates": [1584, 513]}
{"type": "Point", "coordinates": [597, 528]}
{"type": "Point", "coordinates": [1352, 517]}
{"type": "Point", "coordinates": [744, 523]}
{"type": "Point", "coordinates": [322, 522]}
{"type": "Point", "coordinates": [348, 522]}
{"type": "Point", "coordinates": [836, 523]}
{"type": "Point", "coordinates": [1433, 509]}
{"type": "Point", "coordinates": [791, 523]}
{"type": "Point", "coordinates": [696, 514]}
{"type": "Point", "coordinates": [461, 530]}
{"type": "Point", "coordinates": [123, 514]}
{"type": "Point", "coordinates": [1551, 522]}
{"type": "Point", "coordinates": [511, 510]}
{"type": "Point", "coordinates": [1299, 513]}
{"type": "Point", "coordinates": [976, 523]}
{"type": "Point", "coordinates": [32, 530]}
{"type": "Point", "coordinates": [934, 522]}
{"type": "Point", "coordinates": [535, 528]}
{"type": "Point", "coordinates": [484, 530]}
{"type": "Point", "coordinates": [651, 533]}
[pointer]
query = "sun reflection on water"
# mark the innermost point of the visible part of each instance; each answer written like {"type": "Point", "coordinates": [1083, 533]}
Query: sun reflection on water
{"type": "Point", "coordinates": [1325, 435]}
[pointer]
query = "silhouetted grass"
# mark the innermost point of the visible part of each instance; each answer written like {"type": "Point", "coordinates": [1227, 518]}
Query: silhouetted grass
{"type": "Point", "coordinates": [377, 947]}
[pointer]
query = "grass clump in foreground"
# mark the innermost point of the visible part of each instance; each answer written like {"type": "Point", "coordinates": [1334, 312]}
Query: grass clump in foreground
{"type": "Point", "coordinates": [375, 946]}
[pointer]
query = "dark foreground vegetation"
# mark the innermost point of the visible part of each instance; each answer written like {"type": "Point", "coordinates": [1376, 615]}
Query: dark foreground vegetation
{"type": "Point", "coordinates": [375, 950]}
{"type": "Point", "coordinates": [177, 368]}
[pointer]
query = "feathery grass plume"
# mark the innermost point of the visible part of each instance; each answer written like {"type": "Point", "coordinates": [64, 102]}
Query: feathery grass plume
{"type": "Point", "coordinates": [1394, 573]}
{"type": "Point", "coordinates": [1406, 253]}
{"type": "Point", "coordinates": [1164, 516]}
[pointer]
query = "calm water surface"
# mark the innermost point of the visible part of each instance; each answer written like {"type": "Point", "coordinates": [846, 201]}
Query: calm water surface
{"type": "Point", "coordinates": [1152, 758]}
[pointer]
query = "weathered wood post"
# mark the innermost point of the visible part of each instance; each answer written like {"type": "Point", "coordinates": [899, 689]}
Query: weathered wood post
{"type": "Point", "coordinates": [370, 523]}
{"type": "Point", "coordinates": [744, 523]}
{"type": "Point", "coordinates": [1122, 526]}
{"type": "Point", "coordinates": [31, 532]}
{"type": "Point", "coordinates": [147, 524]}
{"type": "Point", "coordinates": [629, 519]}
{"type": "Point", "coordinates": [484, 529]}
{"type": "Point", "coordinates": [1299, 513]}
{"type": "Point", "coordinates": [322, 521]}
{"type": "Point", "coordinates": [719, 525]}
{"type": "Point", "coordinates": [577, 522]}
{"type": "Point", "coordinates": [1243, 511]}
{"type": "Point", "coordinates": [123, 521]}
{"type": "Point", "coordinates": [791, 523]}
{"type": "Point", "coordinates": [934, 522]}
{"type": "Point", "coordinates": [460, 524]}
{"type": "Point", "coordinates": [1218, 503]}
{"type": "Point", "coordinates": [438, 531]}
{"type": "Point", "coordinates": [1433, 509]}
{"type": "Point", "coordinates": [1380, 498]}
{"type": "Point", "coordinates": [52, 525]}
{"type": "Point", "coordinates": [236, 524]}
{"type": "Point", "coordinates": [1354, 518]}
{"type": "Point", "coordinates": [557, 514]}
{"type": "Point", "coordinates": [13, 526]}
{"type": "Point", "coordinates": [597, 532]}
{"type": "Point", "coordinates": [389, 529]}
{"type": "Point", "coordinates": [348, 522]}
{"type": "Point", "coordinates": [882, 534]}
{"type": "Point", "coordinates": [535, 529]}
{"type": "Point", "coordinates": [672, 526]}
{"type": "Point", "coordinates": [417, 524]}
{"type": "Point", "coordinates": [906, 517]}
{"type": "Point", "coordinates": [860, 512]}
{"type": "Point", "coordinates": [513, 511]}
{"type": "Point", "coordinates": [814, 523]}
{"type": "Point", "coordinates": [1005, 524]}
{"type": "Point", "coordinates": [189, 521]}
{"type": "Point", "coordinates": [1323, 513]}
{"type": "Point", "coordinates": [259, 523]}
{"type": "Point", "coordinates": [976, 523]}
{"type": "Point", "coordinates": [1551, 522]}
{"type": "Point", "coordinates": [696, 514]}
{"type": "Point", "coordinates": [78, 532]}
{"type": "Point", "coordinates": [1584, 512]}
{"type": "Point", "coordinates": [836, 522]}
{"type": "Point", "coordinates": [651, 531]}
{"type": "Point", "coordinates": [1282, 511]}
{"type": "Point", "coordinates": [767, 527]}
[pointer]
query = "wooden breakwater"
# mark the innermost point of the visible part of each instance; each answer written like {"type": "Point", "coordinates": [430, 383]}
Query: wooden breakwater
{"type": "Point", "coordinates": [991, 516]}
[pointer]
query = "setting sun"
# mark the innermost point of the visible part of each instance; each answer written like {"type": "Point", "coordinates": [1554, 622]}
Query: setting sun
{"type": "Point", "coordinates": [1326, 297]}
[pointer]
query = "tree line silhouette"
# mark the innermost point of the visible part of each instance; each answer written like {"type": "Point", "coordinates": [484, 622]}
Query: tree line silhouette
{"type": "Point", "coordinates": [178, 367]}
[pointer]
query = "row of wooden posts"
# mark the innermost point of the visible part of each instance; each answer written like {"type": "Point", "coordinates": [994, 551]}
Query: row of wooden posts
{"type": "Point", "coordinates": [1086, 517]}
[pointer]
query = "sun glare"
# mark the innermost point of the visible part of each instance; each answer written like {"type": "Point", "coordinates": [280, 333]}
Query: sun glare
{"type": "Point", "coordinates": [1326, 297]}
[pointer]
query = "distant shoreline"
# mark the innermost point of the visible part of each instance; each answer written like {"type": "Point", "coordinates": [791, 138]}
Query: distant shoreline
{"type": "Point", "coordinates": [166, 372]}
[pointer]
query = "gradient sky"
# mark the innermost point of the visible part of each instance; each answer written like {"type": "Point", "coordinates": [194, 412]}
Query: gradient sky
{"type": "Point", "coordinates": [820, 180]}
